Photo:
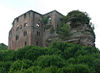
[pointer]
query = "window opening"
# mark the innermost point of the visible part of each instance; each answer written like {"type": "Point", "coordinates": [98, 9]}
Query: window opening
{"type": "Point", "coordinates": [25, 24]}
{"type": "Point", "coordinates": [17, 37]}
{"type": "Point", "coordinates": [38, 33]}
{"type": "Point", "coordinates": [17, 19]}
{"type": "Point", "coordinates": [37, 25]}
{"type": "Point", "coordinates": [25, 33]}
{"type": "Point", "coordinates": [25, 43]}
{"type": "Point", "coordinates": [37, 43]}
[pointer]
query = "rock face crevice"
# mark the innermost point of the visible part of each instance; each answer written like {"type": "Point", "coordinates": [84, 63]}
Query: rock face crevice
{"type": "Point", "coordinates": [29, 29]}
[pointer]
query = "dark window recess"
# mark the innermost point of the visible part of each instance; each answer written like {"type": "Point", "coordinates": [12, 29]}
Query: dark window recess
{"type": "Point", "coordinates": [37, 43]}
{"type": "Point", "coordinates": [25, 43]}
{"type": "Point", "coordinates": [17, 37]}
{"type": "Point", "coordinates": [25, 33]}
{"type": "Point", "coordinates": [17, 19]}
{"type": "Point", "coordinates": [38, 33]}
{"type": "Point", "coordinates": [25, 15]}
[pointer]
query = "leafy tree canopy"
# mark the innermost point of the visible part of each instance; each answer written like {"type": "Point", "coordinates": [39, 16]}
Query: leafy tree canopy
{"type": "Point", "coordinates": [59, 57]}
{"type": "Point", "coordinates": [77, 15]}
{"type": "Point", "coordinates": [3, 46]}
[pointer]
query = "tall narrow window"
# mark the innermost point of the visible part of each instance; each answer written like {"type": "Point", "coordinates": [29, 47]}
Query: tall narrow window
{"type": "Point", "coordinates": [25, 43]}
{"type": "Point", "coordinates": [17, 37]}
{"type": "Point", "coordinates": [37, 43]}
{"type": "Point", "coordinates": [38, 33]}
{"type": "Point", "coordinates": [17, 19]}
{"type": "Point", "coordinates": [25, 33]}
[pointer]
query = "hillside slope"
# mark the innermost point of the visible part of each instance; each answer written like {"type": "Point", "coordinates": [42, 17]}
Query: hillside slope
{"type": "Point", "coordinates": [59, 57]}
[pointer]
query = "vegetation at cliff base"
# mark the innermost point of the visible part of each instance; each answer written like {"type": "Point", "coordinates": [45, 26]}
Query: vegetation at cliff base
{"type": "Point", "coordinates": [59, 57]}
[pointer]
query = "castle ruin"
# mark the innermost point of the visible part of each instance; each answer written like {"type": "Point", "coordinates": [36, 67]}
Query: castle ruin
{"type": "Point", "coordinates": [32, 28]}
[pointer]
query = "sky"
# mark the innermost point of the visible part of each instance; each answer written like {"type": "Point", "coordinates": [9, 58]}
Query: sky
{"type": "Point", "coordinates": [10, 9]}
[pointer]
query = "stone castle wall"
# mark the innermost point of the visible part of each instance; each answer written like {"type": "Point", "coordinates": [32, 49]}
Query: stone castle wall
{"type": "Point", "coordinates": [21, 33]}
{"type": "Point", "coordinates": [28, 29]}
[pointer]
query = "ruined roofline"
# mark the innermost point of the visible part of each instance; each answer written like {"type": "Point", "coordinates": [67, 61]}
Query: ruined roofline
{"type": "Point", "coordinates": [52, 12]}
{"type": "Point", "coordinates": [36, 13]}
{"type": "Point", "coordinates": [26, 13]}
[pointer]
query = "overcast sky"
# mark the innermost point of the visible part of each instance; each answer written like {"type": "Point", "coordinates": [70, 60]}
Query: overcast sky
{"type": "Point", "coordinates": [10, 9]}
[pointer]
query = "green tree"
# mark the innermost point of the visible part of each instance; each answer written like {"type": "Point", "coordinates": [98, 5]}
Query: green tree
{"type": "Point", "coordinates": [19, 65]}
{"type": "Point", "coordinates": [33, 69]}
{"type": "Point", "coordinates": [59, 57]}
{"type": "Point", "coordinates": [51, 69]}
{"type": "Point", "coordinates": [50, 60]}
{"type": "Point", "coordinates": [97, 65]}
{"type": "Point", "coordinates": [4, 66]}
{"type": "Point", "coordinates": [79, 68]}
{"type": "Point", "coordinates": [78, 16]}
{"type": "Point", "coordinates": [65, 30]}
{"type": "Point", "coordinates": [3, 46]}
{"type": "Point", "coordinates": [45, 20]}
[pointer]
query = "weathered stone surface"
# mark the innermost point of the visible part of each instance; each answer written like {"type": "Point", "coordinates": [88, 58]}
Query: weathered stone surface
{"type": "Point", "coordinates": [28, 29]}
